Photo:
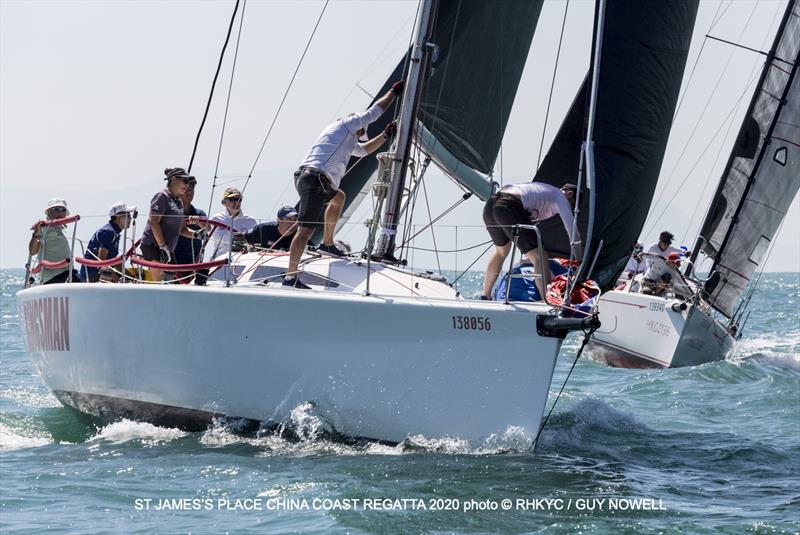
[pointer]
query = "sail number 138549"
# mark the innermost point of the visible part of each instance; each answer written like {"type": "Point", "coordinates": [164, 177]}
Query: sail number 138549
{"type": "Point", "coordinates": [471, 323]}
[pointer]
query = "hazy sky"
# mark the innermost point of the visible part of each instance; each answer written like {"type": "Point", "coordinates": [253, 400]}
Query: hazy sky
{"type": "Point", "coordinates": [96, 98]}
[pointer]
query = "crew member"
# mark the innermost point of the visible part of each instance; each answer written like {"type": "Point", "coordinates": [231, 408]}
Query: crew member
{"type": "Point", "coordinates": [277, 234]}
{"type": "Point", "coordinates": [317, 181]}
{"type": "Point", "coordinates": [49, 243]}
{"type": "Point", "coordinates": [166, 221]}
{"type": "Point", "coordinates": [523, 204]}
{"type": "Point", "coordinates": [663, 247]}
{"type": "Point", "coordinates": [187, 250]}
{"type": "Point", "coordinates": [233, 217]}
{"type": "Point", "coordinates": [104, 243]}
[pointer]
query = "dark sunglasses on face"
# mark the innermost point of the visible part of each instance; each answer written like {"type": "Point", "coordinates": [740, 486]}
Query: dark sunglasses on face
{"type": "Point", "coordinates": [59, 209]}
{"type": "Point", "coordinates": [234, 199]}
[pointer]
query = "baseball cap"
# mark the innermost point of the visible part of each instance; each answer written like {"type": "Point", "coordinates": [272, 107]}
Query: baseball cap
{"type": "Point", "coordinates": [176, 172]}
{"type": "Point", "coordinates": [231, 192]}
{"type": "Point", "coordinates": [120, 208]}
{"type": "Point", "coordinates": [286, 212]}
{"type": "Point", "coordinates": [570, 186]}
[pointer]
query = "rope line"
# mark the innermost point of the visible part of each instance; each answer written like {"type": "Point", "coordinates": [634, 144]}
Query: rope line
{"type": "Point", "coordinates": [552, 86]}
{"type": "Point", "coordinates": [228, 99]}
{"type": "Point", "coordinates": [586, 337]}
{"type": "Point", "coordinates": [285, 94]}
{"type": "Point", "coordinates": [213, 85]}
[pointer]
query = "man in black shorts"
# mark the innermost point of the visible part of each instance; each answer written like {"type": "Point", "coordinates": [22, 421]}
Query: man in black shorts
{"type": "Point", "coordinates": [317, 181]}
{"type": "Point", "coordinates": [523, 204]}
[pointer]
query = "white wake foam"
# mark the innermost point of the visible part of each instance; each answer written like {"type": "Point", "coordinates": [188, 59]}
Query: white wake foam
{"type": "Point", "coordinates": [12, 439]}
{"type": "Point", "coordinates": [126, 430]}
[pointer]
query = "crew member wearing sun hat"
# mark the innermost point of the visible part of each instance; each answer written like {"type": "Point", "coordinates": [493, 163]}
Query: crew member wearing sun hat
{"type": "Point", "coordinates": [50, 244]}
{"type": "Point", "coordinates": [166, 221]}
{"type": "Point", "coordinates": [234, 218]}
{"type": "Point", "coordinates": [275, 234]}
{"type": "Point", "coordinates": [523, 204]}
{"type": "Point", "coordinates": [104, 243]}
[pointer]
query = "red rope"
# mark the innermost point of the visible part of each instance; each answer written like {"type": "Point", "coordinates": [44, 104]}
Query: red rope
{"type": "Point", "coordinates": [179, 267]}
{"type": "Point", "coordinates": [57, 222]}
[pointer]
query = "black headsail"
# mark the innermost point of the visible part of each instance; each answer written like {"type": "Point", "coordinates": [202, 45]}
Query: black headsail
{"type": "Point", "coordinates": [467, 99]}
{"type": "Point", "coordinates": [643, 56]}
{"type": "Point", "coordinates": [762, 175]}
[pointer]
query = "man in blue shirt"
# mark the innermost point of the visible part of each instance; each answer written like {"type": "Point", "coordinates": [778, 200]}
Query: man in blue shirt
{"type": "Point", "coordinates": [104, 243]}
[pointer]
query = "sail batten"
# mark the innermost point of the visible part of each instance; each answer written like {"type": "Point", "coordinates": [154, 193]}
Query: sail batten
{"type": "Point", "coordinates": [761, 177]}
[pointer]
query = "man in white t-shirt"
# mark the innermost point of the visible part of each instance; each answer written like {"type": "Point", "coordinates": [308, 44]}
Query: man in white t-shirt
{"type": "Point", "coordinates": [664, 248]}
{"type": "Point", "coordinates": [523, 204]}
{"type": "Point", "coordinates": [318, 178]}
{"type": "Point", "coordinates": [234, 218]}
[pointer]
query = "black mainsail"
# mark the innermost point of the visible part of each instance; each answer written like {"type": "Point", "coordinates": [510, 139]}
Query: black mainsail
{"type": "Point", "coordinates": [643, 56]}
{"type": "Point", "coordinates": [481, 50]}
{"type": "Point", "coordinates": [761, 177]}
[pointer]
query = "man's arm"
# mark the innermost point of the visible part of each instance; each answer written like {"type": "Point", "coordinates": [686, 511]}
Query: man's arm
{"type": "Point", "coordinates": [34, 243]}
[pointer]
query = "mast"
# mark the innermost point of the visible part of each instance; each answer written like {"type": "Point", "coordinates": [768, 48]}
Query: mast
{"type": "Point", "coordinates": [589, 144]}
{"type": "Point", "coordinates": [399, 155]}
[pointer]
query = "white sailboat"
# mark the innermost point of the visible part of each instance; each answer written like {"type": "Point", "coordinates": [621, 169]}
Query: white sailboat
{"type": "Point", "coordinates": [698, 320]}
{"type": "Point", "coordinates": [380, 352]}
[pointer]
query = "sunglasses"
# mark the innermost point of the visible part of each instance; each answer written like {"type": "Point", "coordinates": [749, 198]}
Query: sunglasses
{"type": "Point", "coordinates": [58, 209]}
{"type": "Point", "coordinates": [234, 199]}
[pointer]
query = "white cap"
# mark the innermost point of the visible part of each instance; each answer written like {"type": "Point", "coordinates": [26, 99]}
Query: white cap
{"type": "Point", "coordinates": [120, 208]}
{"type": "Point", "coordinates": [54, 203]}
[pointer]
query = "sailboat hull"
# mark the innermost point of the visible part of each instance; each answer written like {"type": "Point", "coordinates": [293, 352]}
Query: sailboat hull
{"type": "Point", "coordinates": [643, 331]}
{"type": "Point", "coordinates": [376, 367]}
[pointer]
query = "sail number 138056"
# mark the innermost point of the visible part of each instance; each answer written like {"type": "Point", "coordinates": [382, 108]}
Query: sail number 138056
{"type": "Point", "coordinates": [471, 323]}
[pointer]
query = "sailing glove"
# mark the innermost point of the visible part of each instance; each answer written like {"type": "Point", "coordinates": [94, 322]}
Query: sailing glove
{"type": "Point", "coordinates": [390, 130]}
{"type": "Point", "coordinates": [166, 255]}
{"type": "Point", "coordinates": [397, 87]}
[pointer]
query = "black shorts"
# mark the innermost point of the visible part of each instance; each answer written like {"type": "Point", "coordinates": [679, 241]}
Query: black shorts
{"type": "Point", "coordinates": [315, 192]}
{"type": "Point", "coordinates": [503, 210]}
{"type": "Point", "coordinates": [151, 253]}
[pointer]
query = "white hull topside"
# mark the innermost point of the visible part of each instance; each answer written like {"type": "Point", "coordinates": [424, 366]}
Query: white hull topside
{"type": "Point", "coordinates": [643, 331]}
{"type": "Point", "coordinates": [380, 367]}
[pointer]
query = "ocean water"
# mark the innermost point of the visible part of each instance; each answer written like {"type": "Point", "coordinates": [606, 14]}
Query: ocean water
{"type": "Point", "coordinates": [710, 449]}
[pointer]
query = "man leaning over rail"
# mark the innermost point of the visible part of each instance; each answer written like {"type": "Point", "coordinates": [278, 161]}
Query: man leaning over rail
{"type": "Point", "coordinates": [317, 181]}
{"type": "Point", "coordinates": [50, 244]}
{"type": "Point", "coordinates": [523, 204]}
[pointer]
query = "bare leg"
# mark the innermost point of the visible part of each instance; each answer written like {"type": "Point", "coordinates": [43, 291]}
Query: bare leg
{"type": "Point", "coordinates": [297, 247]}
{"type": "Point", "coordinates": [156, 274]}
{"type": "Point", "coordinates": [493, 267]}
{"type": "Point", "coordinates": [533, 256]}
{"type": "Point", "coordinates": [332, 213]}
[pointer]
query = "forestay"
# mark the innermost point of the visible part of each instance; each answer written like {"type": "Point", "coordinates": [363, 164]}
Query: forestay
{"type": "Point", "coordinates": [762, 175]}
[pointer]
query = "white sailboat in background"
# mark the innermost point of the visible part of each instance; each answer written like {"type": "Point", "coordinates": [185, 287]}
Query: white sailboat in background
{"type": "Point", "coordinates": [697, 320]}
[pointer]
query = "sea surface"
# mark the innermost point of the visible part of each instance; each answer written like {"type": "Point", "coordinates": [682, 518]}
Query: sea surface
{"type": "Point", "coordinates": [710, 449]}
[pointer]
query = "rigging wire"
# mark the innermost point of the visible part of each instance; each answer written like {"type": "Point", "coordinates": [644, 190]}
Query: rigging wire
{"type": "Point", "coordinates": [474, 261]}
{"type": "Point", "coordinates": [552, 86]}
{"type": "Point", "coordinates": [691, 170]}
{"type": "Point", "coordinates": [711, 95]}
{"type": "Point", "coordinates": [586, 336]}
{"type": "Point", "coordinates": [285, 94]}
{"type": "Point", "coordinates": [213, 84]}
{"type": "Point", "coordinates": [227, 106]}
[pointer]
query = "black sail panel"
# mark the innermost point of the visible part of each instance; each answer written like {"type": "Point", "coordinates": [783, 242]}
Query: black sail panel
{"type": "Point", "coordinates": [467, 99]}
{"type": "Point", "coordinates": [482, 49]}
{"type": "Point", "coordinates": [644, 51]}
{"type": "Point", "coordinates": [762, 175]}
